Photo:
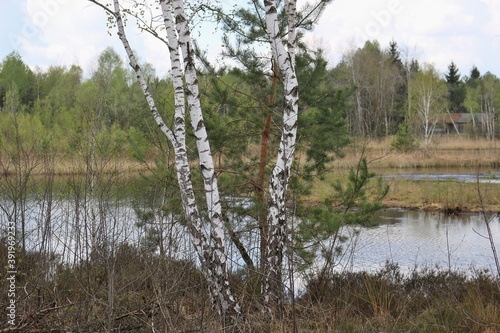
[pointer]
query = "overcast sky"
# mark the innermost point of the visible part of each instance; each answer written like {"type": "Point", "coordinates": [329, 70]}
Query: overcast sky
{"type": "Point", "coordinates": [65, 32]}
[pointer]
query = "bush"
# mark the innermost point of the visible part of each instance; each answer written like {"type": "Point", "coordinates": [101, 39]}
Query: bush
{"type": "Point", "coordinates": [404, 140]}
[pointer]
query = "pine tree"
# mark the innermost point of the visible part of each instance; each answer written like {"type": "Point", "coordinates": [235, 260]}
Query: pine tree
{"type": "Point", "coordinates": [404, 140]}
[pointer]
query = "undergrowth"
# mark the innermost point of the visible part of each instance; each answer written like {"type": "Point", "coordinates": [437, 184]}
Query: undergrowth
{"type": "Point", "coordinates": [144, 293]}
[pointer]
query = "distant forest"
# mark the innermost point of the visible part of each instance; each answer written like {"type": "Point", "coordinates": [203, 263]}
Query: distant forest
{"type": "Point", "coordinates": [373, 92]}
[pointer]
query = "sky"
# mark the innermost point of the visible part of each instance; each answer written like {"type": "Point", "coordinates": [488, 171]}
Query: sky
{"type": "Point", "coordinates": [67, 32]}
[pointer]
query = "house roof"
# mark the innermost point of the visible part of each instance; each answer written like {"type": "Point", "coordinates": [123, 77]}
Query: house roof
{"type": "Point", "coordinates": [457, 118]}
{"type": "Point", "coordinates": [464, 118]}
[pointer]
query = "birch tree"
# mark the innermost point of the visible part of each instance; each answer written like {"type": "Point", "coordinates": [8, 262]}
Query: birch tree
{"type": "Point", "coordinates": [376, 74]}
{"type": "Point", "coordinates": [429, 100]}
{"type": "Point", "coordinates": [210, 246]}
{"type": "Point", "coordinates": [210, 243]}
{"type": "Point", "coordinates": [490, 98]}
{"type": "Point", "coordinates": [277, 233]}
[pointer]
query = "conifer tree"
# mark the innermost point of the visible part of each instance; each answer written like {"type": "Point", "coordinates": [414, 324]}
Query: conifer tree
{"type": "Point", "coordinates": [456, 89]}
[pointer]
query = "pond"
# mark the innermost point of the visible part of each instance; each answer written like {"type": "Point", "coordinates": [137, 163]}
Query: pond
{"type": "Point", "coordinates": [415, 239]}
{"type": "Point", "coordinates": [409, 238]}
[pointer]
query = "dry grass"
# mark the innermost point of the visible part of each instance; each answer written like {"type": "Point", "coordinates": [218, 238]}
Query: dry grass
{"type": "Point", "coordinates": [163, 295]}
{"type": "Point", "coordinates": [448, 154]}
{"type": "Point", "coordinates": [451, 196]}
{"type": "Point", "coordinates": [77, 166]}
{"type": "Point", "coordinates": [390, 301]}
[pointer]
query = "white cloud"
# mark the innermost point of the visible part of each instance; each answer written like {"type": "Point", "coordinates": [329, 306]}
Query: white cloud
{"type": "Point", "coordinates": [65, 32]}
{"type": "Point", "coordinates": [441, 31]}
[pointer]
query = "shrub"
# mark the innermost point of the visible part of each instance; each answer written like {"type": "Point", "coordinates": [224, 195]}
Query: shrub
{"type": "Point", "coordinates": [404, 140]}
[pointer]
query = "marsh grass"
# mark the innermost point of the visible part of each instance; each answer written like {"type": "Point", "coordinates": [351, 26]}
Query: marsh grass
{"type": "Point", "coordinates": [389, 301]}
{"type": "Point", "coordinates": [449, 155]}
{"type": "Point", "coordinates": [449, 196]}
{"type": "Point", "coordinates": [160, 294]}
{"type": "Point", "coordinates": [446, 152]}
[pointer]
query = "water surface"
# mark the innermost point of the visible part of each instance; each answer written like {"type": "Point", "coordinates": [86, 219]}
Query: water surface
{"type": "Point", "coordinates": [425, 239]}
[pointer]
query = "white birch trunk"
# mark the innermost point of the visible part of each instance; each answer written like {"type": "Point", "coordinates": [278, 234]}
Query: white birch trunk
{"type": "Point", "coordinates": [273, 289]}
{"type": "Point", "coordinates": [291, 14]}
{"type": "Point", "coordinates": [211, 253]}
{"type": "Point", "coordinates": [215, 257]}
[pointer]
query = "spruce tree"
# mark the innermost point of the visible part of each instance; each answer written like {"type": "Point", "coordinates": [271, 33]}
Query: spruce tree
{"type": "Point", "coordinates": [474, 77]}
{"type": "Point", "coordinates": [453, 75]}
{"type": "Point", "coordinates": [456, 89]}
{"type": "Point", "coordinates": [475, 73]}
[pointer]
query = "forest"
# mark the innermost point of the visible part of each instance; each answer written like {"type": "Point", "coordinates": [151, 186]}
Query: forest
{"type": "Point", "coordinates": [371, 93]}
{"type": "Point", "coordinates": [125, 219]}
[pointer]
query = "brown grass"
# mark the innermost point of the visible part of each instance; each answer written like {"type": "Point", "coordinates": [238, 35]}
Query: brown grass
{"type": "Point", "coordinates": [448, 154]}
{"type": "Point", "coordinates": [162, 295]}
{"type": "Point", "coordinates": [455, 154]}
{"type": "Point", "coordinates": [448, 196]}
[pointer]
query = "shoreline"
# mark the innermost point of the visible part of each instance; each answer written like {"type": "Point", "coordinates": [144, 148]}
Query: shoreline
{"type": "Point", "coordinates": [450, 154]}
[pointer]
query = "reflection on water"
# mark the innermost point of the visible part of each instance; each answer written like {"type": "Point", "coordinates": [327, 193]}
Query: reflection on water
{"type": "Point", "coordinates": [491, 178]}
{"type": "Point", "coordinates": [424, 239]}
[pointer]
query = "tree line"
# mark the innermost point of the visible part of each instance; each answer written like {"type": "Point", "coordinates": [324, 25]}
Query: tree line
{"type": "Point", "coordinates": [373, 89]}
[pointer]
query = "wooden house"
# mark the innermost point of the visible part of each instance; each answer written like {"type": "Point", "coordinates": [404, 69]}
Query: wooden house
{"type": "Point", "coordinates": [464, 122]}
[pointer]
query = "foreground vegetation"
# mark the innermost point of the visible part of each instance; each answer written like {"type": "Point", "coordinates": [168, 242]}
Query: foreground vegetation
{"type": "Point", "coordinates": [158, 294]}
{"type": "Point", "coordinates": [139, 288]}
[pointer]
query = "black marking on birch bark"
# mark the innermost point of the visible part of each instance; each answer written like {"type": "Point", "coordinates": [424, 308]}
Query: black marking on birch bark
{"type": "Point", "coordinates": [204, 168]}
{"type": "Point", "coordinates": [179, 120]}
{"type": "Point", "coordinates": [179, 18]}
{"type": "Point", "coordinates": [200, 125]}
{"type": "Point", "coordinates": [267, 3]}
